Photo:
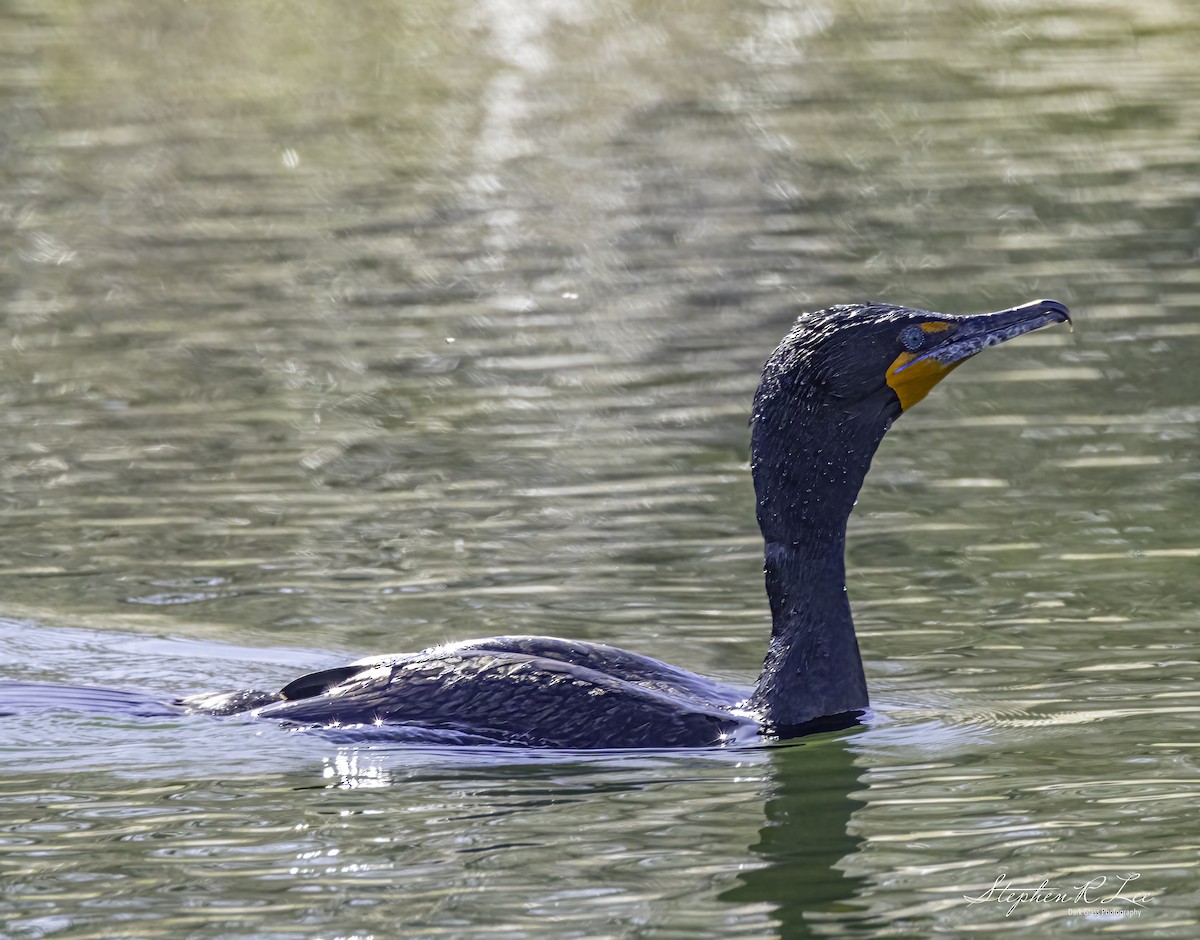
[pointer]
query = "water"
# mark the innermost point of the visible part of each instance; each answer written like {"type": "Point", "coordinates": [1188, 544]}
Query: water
{"type": "Point", "coordinates": [336, 333]}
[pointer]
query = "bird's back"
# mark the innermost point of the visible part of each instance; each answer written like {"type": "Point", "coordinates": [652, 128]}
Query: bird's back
{"type": "Point", "coordinates": [525, 691]}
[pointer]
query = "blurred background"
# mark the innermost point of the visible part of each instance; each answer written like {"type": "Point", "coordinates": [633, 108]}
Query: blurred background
{"type": "Point", "coordinates": [340, 329]}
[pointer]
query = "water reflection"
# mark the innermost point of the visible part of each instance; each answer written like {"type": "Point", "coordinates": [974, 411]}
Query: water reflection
{"type": "Point", "coordinates": [795, 867]}
{"type": "Point", "coordinates": [805, 839]}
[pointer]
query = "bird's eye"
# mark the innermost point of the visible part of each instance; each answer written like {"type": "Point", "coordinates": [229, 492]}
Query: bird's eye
{"type": "Point", "coordinates": [912, 338]}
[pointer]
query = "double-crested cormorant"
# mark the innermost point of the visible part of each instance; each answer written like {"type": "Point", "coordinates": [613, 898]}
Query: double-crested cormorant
{"type": "Point", "coordinates": [828, 393]}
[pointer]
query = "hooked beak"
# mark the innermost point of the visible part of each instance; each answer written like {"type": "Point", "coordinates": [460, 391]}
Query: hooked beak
{"type": "Point", "coordinates": [956, 339]}
{"type": "Point", "coordinates": [973, 334]}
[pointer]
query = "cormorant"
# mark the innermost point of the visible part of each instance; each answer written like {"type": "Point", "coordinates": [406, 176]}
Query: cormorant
{"type": "Point", "coordinates": [827, 396]}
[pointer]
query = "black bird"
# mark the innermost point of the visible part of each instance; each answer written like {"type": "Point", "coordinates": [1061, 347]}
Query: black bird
{"type": "Point", "coordinates": [827, 396]}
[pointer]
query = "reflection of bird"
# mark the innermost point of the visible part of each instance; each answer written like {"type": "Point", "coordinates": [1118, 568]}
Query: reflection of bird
{"type": "Point", "coordinates": [793, 867]}
{"type": "Point", "coordinates": [828, 393]}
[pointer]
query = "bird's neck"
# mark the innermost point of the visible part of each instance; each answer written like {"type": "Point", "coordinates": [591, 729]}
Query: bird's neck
{"type": "Point", "coordinates": [812, 668]}
{"type": "Point", "coordinates": [807, 477]}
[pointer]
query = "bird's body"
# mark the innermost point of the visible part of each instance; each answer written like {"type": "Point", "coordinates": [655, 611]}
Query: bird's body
{"type": "Point", "coordinates": [529, 691]}
{"type": "Point", "coordinates": [827, 396]}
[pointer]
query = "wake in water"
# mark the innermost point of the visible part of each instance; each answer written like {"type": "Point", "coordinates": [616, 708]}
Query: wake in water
{"type": "Point", "coordinates": [17, 698]}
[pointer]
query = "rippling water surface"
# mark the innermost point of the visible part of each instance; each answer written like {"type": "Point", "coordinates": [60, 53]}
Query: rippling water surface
{"type": "Point", "coordinates": [332, 330]}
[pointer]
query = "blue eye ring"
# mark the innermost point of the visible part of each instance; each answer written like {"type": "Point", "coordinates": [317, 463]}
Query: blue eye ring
{"type": "Point", "coordinates": [912, 338]}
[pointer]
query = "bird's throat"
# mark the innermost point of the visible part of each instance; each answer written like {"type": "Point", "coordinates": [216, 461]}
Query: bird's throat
{"type": "Point", "coordinates": [807, 477]}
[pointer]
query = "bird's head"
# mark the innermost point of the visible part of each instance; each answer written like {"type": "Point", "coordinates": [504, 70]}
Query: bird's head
{"type": "Point", "coordinates": [882, 358]}
{"type": "Point", "coordinates": [842, 376]}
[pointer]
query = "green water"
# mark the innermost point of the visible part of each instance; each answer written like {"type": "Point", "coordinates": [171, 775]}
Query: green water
{"type": "Point", "coordinates": [339, 329]}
